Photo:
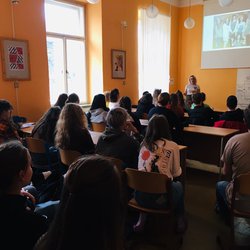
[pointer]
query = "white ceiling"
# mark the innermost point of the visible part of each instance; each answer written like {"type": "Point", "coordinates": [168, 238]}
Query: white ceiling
{"type": "Point", "coordinates": [183, 3]}
{"type": "Point", "coordinates": [179, 3]}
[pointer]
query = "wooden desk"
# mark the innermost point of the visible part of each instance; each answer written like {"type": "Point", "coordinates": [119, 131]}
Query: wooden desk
{"type": "Point", "coordinates": [206, 144]}
{"type": "Point", "coordinates": [27, 128]}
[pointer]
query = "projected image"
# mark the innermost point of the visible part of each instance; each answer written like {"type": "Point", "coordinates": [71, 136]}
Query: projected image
{"type": "Point", "coordinates": [231, 30]}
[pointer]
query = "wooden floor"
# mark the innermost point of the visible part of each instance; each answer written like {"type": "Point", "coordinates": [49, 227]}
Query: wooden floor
{"type": "Point", "coordinates": [203, 223]}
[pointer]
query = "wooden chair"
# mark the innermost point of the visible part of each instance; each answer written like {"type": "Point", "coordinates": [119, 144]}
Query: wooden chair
{"type": "Point", "coordinates": [98, 127]}
{"type": "Point", "coordinates": [38, 146]}
{"type": "Point", "coordinates": [240, 208]}
{"type": "Point", "coordinates": [68, 156]}
{"type": "Point", "coordinates": [152, 183]}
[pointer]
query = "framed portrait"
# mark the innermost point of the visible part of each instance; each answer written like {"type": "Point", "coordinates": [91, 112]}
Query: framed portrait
{"type": "Point", "coordinates": [118, 64]}
{"type": "Point", "coordinates": [15, 59]}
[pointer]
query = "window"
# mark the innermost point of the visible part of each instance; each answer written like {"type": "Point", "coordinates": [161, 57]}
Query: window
{"type": "Point", "coordinates": [66, 50]}
{"type": "Point", "coordinates": [153, 52]}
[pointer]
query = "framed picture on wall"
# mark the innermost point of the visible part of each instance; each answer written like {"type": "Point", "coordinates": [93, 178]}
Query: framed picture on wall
{"type": "Point", "coordinates": [15, 59]}
{"type": "Point", "coordinates": [118, 64]}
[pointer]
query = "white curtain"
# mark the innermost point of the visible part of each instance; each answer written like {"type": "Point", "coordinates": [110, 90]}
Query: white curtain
{"type": "Point", "coordinates": [153, 52]}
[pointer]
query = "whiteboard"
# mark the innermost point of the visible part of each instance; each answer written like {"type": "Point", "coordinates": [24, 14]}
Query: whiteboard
{"type": "Point", "coordinates": [243, 88]}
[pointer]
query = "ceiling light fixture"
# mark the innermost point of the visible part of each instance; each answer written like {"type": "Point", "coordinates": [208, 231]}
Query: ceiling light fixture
{"type": "Point", "coordinates": [152, 11]}
{"type": "Point", "coordinates": [15, 1]}
{"type": "Point", "coordinates": [189, 23]}
{"type": "Point", "coordinates": [224, 3]}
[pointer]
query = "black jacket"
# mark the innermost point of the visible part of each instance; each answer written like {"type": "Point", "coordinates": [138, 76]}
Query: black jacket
{"type": "Point", "coordinates": [118, 144]}
{"type": "Point", "coordinates": [235, 115]}
{"type": "Point", "coordinates": [19, 228]}
{"type": "Point", "coordinates": [175, 125]}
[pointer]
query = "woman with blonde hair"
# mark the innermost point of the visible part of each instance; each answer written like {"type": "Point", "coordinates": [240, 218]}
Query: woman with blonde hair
{"type": "Point", "coordinates": [72, 132]}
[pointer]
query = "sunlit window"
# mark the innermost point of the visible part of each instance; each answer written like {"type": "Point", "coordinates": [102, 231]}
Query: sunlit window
{"type": "Point", "coordinates": [66, 50]}
{"type": "Point", "coordinates": [153, 52]}
{"type": "Point", "coordinates": [64, 18]}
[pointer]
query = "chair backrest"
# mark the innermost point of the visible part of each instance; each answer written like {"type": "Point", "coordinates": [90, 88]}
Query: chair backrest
{"type": "Point", "coordinates": [98, 127]}
{"type": "Point", "coordinates": [147, 182]}
{"type": "Point", "coordinates": [68, 156]}
{"type": "Point", "coordinates": [241, 126]}
{"type": "Point", "coordinates": [242, 184]}
{"type": "Point", "coordinates": [36, 145]}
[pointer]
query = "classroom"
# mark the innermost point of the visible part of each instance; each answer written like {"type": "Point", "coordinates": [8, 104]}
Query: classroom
{"type": "Point", "coordinates": [110, 36]}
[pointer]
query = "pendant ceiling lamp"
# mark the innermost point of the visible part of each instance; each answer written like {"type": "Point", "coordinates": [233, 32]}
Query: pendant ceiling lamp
{"type": "Point", "coordinates": [93, 1]}
{"type": "Point", "coordinates": [189, 23]}
{"type": "Point", "coordinates": [224, 3]}
{"type": "Point", "coordinates": [152, 11]}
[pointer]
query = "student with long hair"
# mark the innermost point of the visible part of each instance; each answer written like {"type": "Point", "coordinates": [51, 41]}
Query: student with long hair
{"type": "Point", "coordinates": [91, 212]}
{"type": "Point", "coordinates": [62, 98]}
{"type": "Point", "coordinates": [45, 127]}
{"type": "Point", "coordinates": [160, 154]}
{"type": "Point", "coordinates": [125, 102]}
{"type": "Point", "coordinates": [98, 110]}
{"type": "Point", "coordinates": [72, 132]}
{"type": "Point", "coordinates": [175, 107]}
{"type": "Point", "coordinates": [20, 227]}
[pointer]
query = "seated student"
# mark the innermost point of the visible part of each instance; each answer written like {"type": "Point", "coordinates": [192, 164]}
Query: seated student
{"type": "Point", "coordinates": [73, 98]}
{"type": "Point", "coordinates": [236, 159]}
{"type": "Point", "coordinates": [115, 142]}
{"type": "Point", "coordinates": [181, 101]}
{"type": "Point", "coordinates": [125, 102]}
{"type": "Point", "coordinates": [45, 127]}
{"type": "Point", "coordinates": [114, 99]}
{"type": "Point", "coordinates": [175, 107]}
{"type": "Point", "coordinates": [160, 154]}
{"type": "Point", "coordinates": [144, 105]}
{"type": "Point", "coordinates": [173, 120]}
{"type": "Point", "coordinates": [91, 212]}
{"type": "Point", "coordinates": [203, 98]}
{"type": "Point", "coordinates": [7, 129]}
{"type": "Point", "coordinates": [61, 100]}
{"type": "Point", "coordinates": [49, 187]}
{"type": "Point", "coordinates": [20, 227]}
{"type": "Point", "coordinates": [98, 110]}
{"type": "Point", "coordinates": [232, 114]}
{"type": "Point", "coordinates": [156, 93]}
{"type": "Point", "coordinates": [71, 130]}
{"type": "Point", "coordinates": [201, 115]}
{"type": "Point", "coordinates": [107, 97]}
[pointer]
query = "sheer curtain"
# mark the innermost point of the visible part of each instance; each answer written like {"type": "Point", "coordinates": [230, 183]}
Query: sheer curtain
{"type": "Point", "coordinates": [153, 52]}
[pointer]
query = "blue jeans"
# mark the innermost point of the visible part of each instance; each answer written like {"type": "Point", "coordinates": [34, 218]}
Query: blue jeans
{"type": "Point", "coordinates": [160, 201]}
{"type": "Point", "coordinates": [221, 199]}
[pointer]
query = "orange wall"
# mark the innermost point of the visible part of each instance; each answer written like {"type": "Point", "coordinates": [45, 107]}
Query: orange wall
{"type": "Point", "coordinates": [218, 84]}
{"type": "Point", "coordinates": [104, 34]}
{"type": "Point", "coordinates": [29, 24]}
{"type": "Point", "coordinates": [94, 48]}
{"type": "Point", "coordinates": [115, 11]}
